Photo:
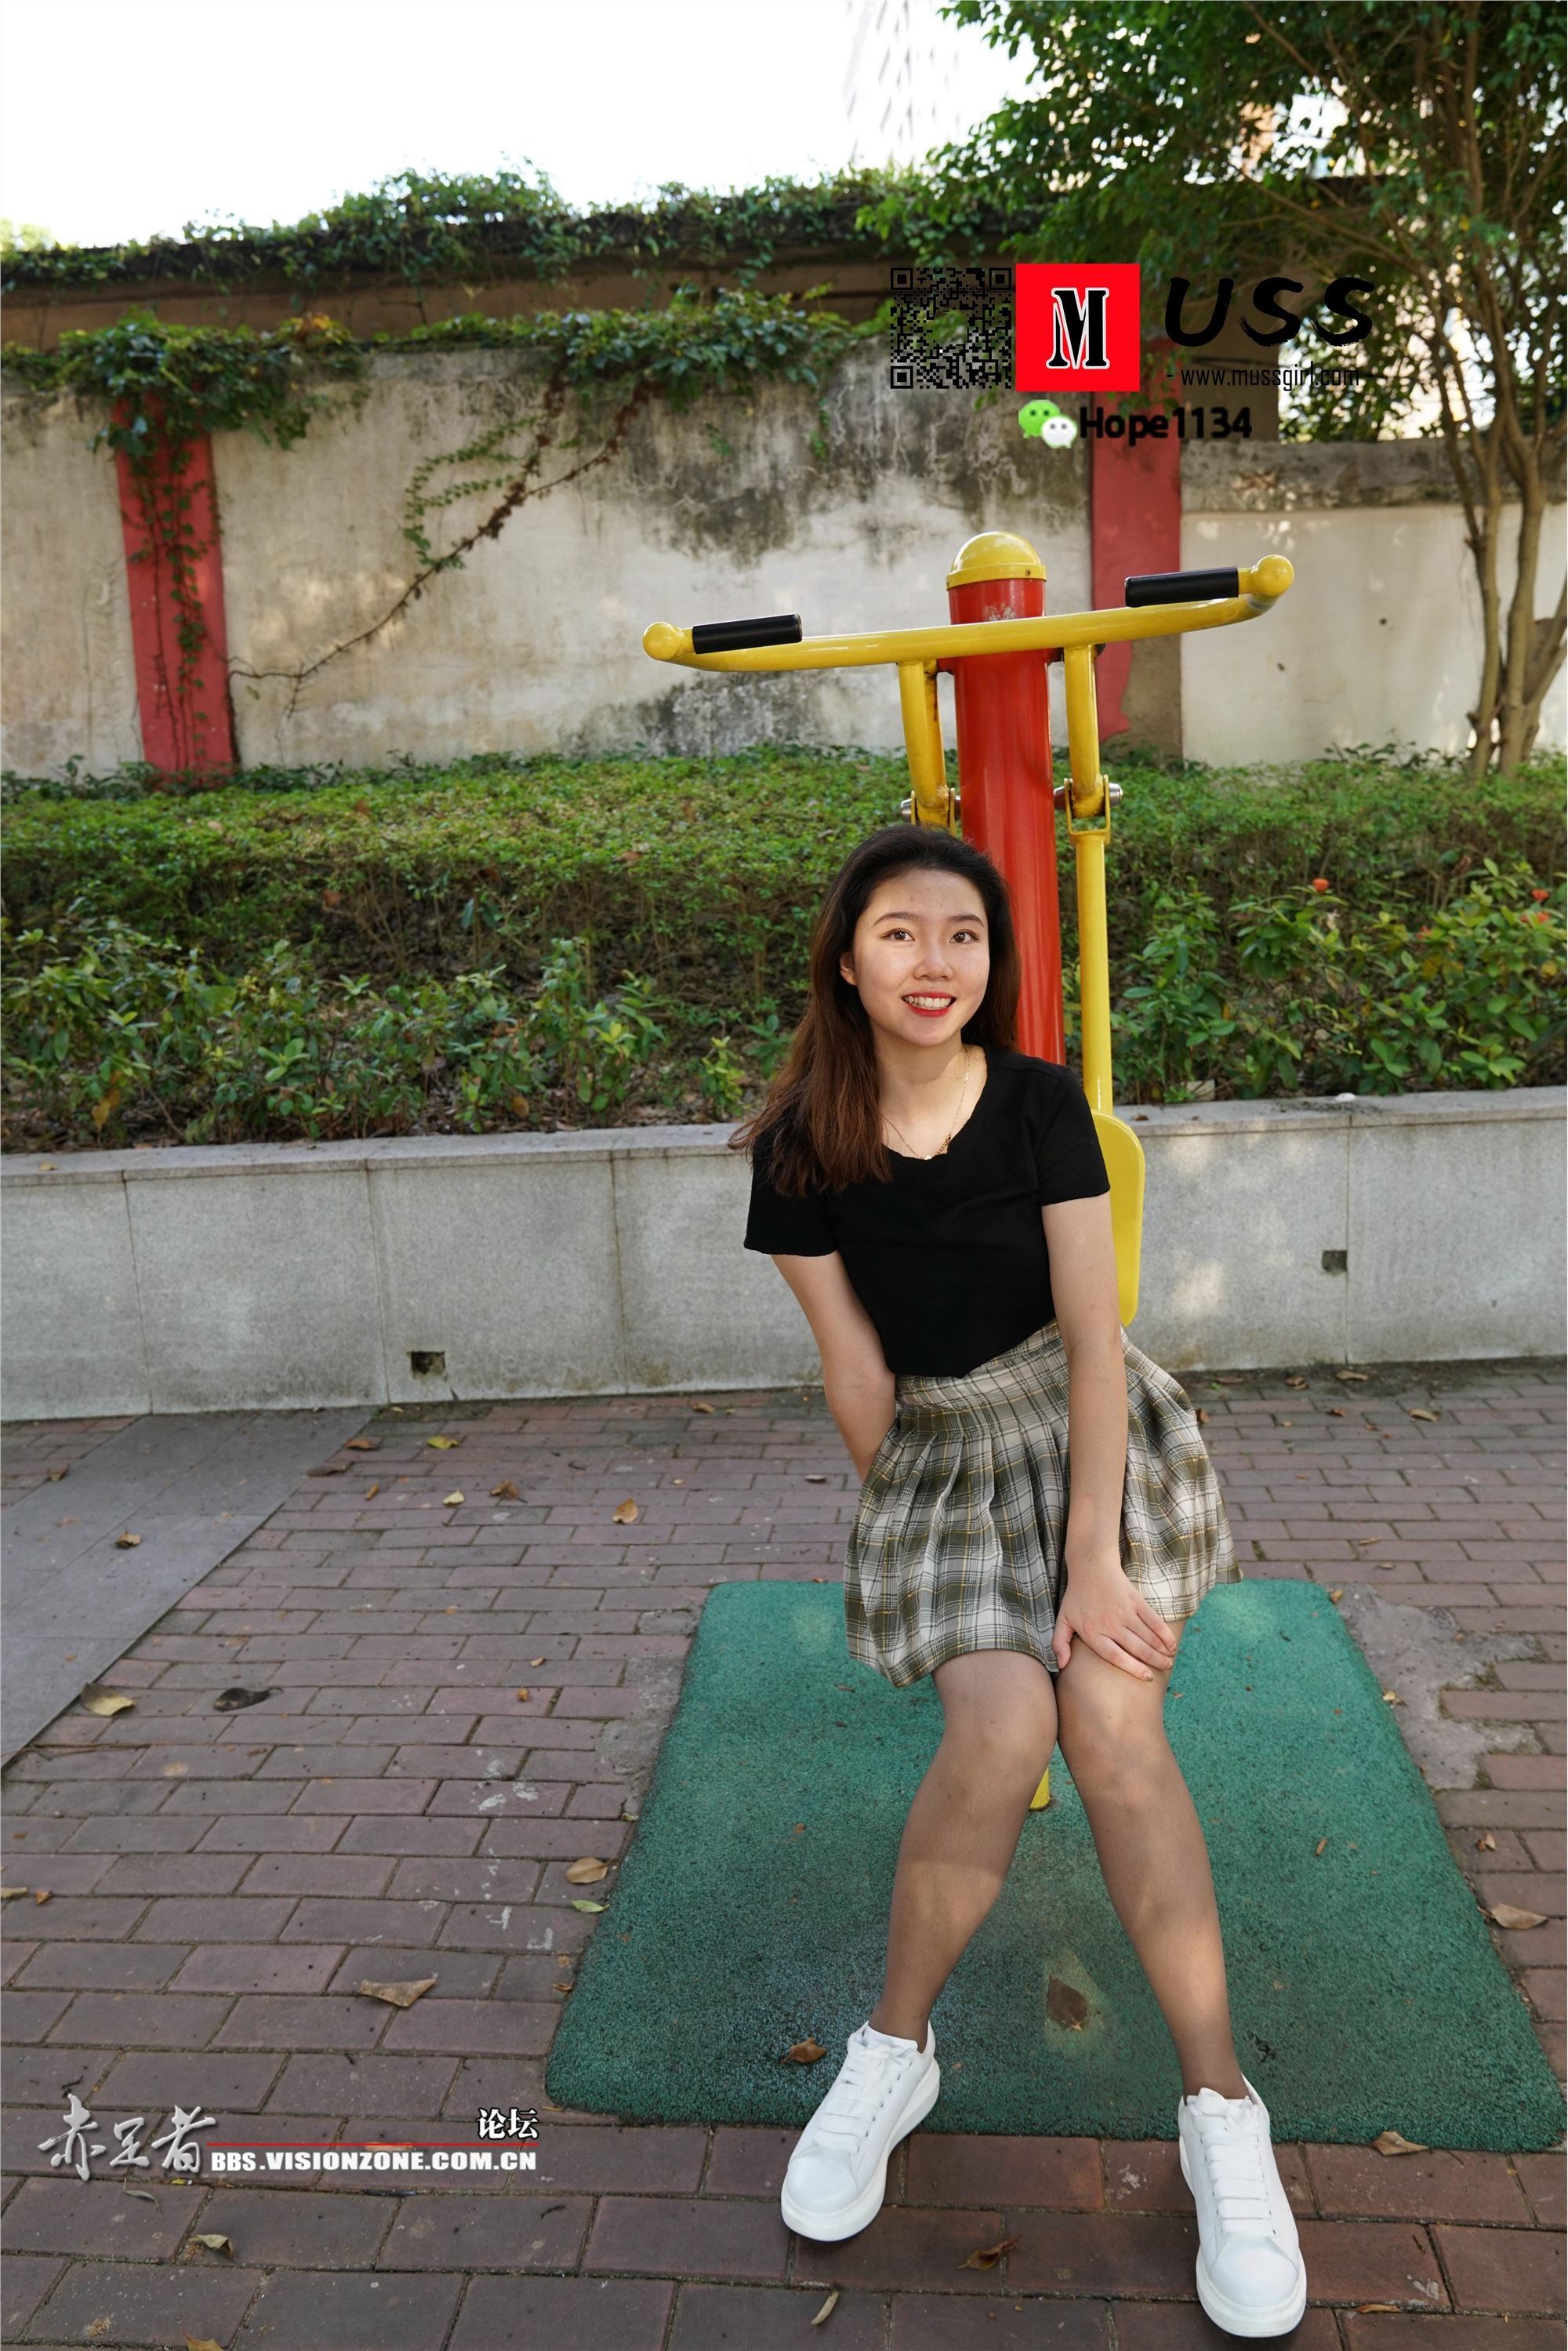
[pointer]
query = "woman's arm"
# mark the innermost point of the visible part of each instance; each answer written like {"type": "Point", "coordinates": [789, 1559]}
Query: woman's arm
{"type": "Point", "coordinates": [855, 1378]}
{"type": "Point", "coordinates": [1101, 1601]}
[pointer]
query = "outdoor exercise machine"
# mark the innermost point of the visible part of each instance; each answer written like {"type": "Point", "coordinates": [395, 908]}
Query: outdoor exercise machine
{"type": "Point", "coordinates": [996, 647]}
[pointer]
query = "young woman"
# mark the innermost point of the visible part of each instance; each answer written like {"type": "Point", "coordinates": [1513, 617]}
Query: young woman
{"type": "Point", "coordinates": [938, 1203]}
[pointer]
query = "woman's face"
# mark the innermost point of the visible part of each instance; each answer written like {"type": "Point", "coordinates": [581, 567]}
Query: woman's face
{"type": "Point", "coordinates": [921, 956]}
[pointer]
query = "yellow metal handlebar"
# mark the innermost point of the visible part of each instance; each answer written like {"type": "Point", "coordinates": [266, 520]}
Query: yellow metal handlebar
{"type": "Point", "coordinates": [1261, 586]}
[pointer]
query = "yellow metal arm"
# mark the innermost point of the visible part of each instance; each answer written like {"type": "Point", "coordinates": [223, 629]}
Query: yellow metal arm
{"type": "Point", "coordinates": [1261, 587]}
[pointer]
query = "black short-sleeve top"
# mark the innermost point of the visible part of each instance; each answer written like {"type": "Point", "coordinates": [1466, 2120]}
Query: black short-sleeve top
{"type": "Point", "coordinates": [949, 1257]}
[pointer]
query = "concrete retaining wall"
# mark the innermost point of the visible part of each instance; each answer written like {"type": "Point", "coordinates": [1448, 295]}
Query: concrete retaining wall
{"type": "Point", "coordinates": [610, 1262]}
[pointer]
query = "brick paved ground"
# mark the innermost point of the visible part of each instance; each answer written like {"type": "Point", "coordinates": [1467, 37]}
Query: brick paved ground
{"type": "Point", "coordinates": [218, 1883]}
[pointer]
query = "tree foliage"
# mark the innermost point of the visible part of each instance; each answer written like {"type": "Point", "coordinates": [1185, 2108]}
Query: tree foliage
{"type": "Point", "coordinates": [1417, 143]}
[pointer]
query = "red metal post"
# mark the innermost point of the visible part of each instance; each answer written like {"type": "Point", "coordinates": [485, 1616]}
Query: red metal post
{"type": "Point", "coordinates": [1134, 524]}
{"type": "Point", "coordinates": [1004, 768]}
{"type": "Point", "coordinates": [181, 689]}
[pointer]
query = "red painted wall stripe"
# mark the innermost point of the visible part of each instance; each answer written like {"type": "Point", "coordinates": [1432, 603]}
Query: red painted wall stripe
{"type": "Point", "coordinates": [186, 721]}
{"type": "Point", "coordinates": [1134, 524]}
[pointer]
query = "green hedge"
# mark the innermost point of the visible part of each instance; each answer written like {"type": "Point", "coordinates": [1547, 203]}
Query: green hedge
{"type": "Point", "coordinates": [701, 874]}
{"type": "Point", "coordinates": [545, 942]}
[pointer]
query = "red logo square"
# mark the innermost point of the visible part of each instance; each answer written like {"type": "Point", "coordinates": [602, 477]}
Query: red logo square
{"type": "Point", "coordinates": [1077, 327]}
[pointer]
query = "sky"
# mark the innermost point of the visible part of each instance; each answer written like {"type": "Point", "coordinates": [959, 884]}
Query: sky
{"type": "Point", "coordinates": [125, 119]}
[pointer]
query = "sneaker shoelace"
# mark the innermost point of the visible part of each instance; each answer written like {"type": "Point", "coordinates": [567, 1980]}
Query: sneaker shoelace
{"type": "Point", "coordinates": [1234, 2160]}
{"type": "Point", "coordinates": [848, 2112]}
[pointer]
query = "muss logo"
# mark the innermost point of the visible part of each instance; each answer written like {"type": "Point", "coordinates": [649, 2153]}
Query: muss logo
{"type": "Point", "coordinates": [1077, 327]}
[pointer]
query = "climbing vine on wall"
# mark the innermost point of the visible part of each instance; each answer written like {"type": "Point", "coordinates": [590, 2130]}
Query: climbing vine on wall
{"type": "Point", "coordinates": [165, 385]}
{"type": "Point", "coordinates": [419, 228]}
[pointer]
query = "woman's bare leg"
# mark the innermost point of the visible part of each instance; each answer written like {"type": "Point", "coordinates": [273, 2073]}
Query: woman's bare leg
{"type": "Point", "coordinates": [1153, 1855]}
{"type": "Point", "coordinates": [963, 1825]}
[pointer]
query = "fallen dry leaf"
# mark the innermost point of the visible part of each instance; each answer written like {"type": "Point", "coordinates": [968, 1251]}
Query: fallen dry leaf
{"type": "Point", "coordinates": [1352, 1376]}
{"type": "Point", "coordinates": [142, 2195]}
{"type": "Point", "coordinates": [54, 1475]}
{"type": "Point", "coordinates": [587, 1871]}
{"type": "Point", "coordinates": [803, 2053]}
{"type": "Point", "coordinates": [505, 1492]}
{"type": "Point", "coordinates": [126, 1542]}
{"type": "Point", "coordinates": [1486, 1842]}
{"type": "Point", "coordinates": [1419, 1412]}
{"type": "Point", "coordinates": [536, 1661]}
{"type": "Point", "coordinates": [40, 1893]}
{"type": "Point", "coordinates": [1294, 1380]}
{"type": "Point", "coordinates": [1336, 1411]}
{"type": "Point", "coordinates": [524, 1694]}
{"type": "Point", "coordinates": [203, 2343]}
{"type": "Point", "coordinates": [361, 1445]}
{"type": "Point", "coordinates": [327, 1469]}
{"type": "Point", "coordinates": [10, 1893]}
{"type": "Point", "coordinates": [1065, 2004]}
{"type": "Point", "coordinates": [371, 1491]}
{"type": "Point", "coordinates": [1389, 2142]}
{"type": "Point", "coordinates": [1506, 1914]}
{"type": "Point", "coordinates": [625, 1512]}
{"type": "Point", "coordinates": [816, 1477]}
{"type": "Point", "coordinates": [1338, 1591]}
{"type": "Point", "coordinates": [826, 2311]}
{"type": "Point", "coordinates": [986, 2257]}
{"type": "Point", "coordinates": [587, 1906]}
{"type": "Point", "coordinates": [702, 1407]}
{"type": "Point", "coordinates": [444, 1444]}
{"type": "Point", "coordinates": [399, 1995]}
{"type": "Point", "coordinates": [173, 1771]}
{"type": "Point", "coordinates": [455, 1497]}
{"type": "Point", "coordinates": [98, 1700]}
{"type": "Point", "coordinates": [213, 2243]}
{"type": "Point", "coordinates": [1318, 1847]}
{"type": "Point", "coordinates": [1380, 2306]}
{"type": "Point", "coordinates": [1392, 1697]}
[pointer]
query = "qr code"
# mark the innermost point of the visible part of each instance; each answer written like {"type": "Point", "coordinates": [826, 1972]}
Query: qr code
{"type": "Point", "coordinates": [952, 328]}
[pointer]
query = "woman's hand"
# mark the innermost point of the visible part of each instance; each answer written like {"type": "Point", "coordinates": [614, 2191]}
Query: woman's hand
{"type": "Point", "coordinates": [1106, 1610]}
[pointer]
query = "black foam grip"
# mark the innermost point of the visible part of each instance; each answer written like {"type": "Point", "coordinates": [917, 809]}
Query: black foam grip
{"type": "Point", "coordinates": [735, 636]}
{"type": "Point", "coordinates": [1181, 587]}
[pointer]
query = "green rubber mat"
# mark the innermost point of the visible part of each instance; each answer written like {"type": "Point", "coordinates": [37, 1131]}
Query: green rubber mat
{"type": "Point", "coordinates": [751, 1907]}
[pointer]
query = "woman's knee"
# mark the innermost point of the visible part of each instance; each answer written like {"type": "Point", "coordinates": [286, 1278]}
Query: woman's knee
{"type": "Point", "coordinates": [999, 1709]}
{"type": "Point", "coordinates": [1111, 1726]}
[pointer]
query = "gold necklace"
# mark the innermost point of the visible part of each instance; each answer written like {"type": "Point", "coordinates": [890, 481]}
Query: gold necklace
{"type": "Point", "coordinates": [951, 1131]}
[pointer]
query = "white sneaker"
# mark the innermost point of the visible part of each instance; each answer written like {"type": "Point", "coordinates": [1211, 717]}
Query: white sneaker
{"type": "Point", "coordinates": [837, 2174]}
{"type": "Point", "coordinates": [1252, 2279]}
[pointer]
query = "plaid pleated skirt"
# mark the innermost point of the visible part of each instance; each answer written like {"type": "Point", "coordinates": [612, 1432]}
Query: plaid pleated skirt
{"type": "Point", "coordinates": [958, 1536]}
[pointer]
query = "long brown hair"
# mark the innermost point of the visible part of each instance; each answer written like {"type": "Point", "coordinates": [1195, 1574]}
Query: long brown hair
{"type": "Point", "coordinates": [821, 1122]}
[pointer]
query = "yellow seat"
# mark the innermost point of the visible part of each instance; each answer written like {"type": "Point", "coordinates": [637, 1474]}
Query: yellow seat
{"type": "Point", "coordinates": [1123, 1157]}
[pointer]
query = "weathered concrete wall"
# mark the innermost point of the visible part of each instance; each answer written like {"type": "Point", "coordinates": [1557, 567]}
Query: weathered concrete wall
{"type": "Point", "coordinates": [849, 512]}
{"type": "Point", "coordinates": [256, 1275]}
{"type": "Point", "coordinates": [69, 682]}
{"type": "Point", "coordinates": [1380, 639]}
{"type": "Point", "coordinates": [851, 517]}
